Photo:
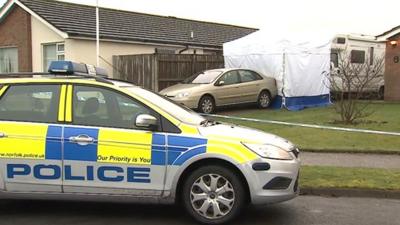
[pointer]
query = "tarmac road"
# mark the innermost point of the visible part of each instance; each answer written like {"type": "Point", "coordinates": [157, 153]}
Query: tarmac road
{"type": "Point", "coordinates": [304, 210]}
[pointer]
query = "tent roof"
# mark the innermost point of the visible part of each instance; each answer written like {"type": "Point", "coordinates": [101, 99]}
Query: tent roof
{"type": "Point", "coordinates": [264, 42]}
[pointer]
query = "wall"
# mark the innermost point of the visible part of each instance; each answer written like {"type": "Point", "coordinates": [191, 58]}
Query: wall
{"type": "Point", "coordinates": [85, 51]}
{"type": "Point", "coordinates": [392, 70]}
{"type": "Point", "coordinates": [41, 34]}
{"type": "Point", "coordinates": [15, 31]}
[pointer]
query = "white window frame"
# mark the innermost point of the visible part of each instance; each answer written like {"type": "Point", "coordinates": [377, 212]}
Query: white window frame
{"type": "Point", "coordinates": [58, 52]}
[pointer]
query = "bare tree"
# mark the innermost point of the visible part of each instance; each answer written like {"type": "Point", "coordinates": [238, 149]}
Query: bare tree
{"type": "Point", "coordinates": [350, 81]}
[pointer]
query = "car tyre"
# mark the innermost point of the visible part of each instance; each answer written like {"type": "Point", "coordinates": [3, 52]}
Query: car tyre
{"type": "Point", "coordinates": [213, 195]}
{"type": "Point", "coordinates": [264, 100]}
{"type": "Point", "coordinates": [207, 105]}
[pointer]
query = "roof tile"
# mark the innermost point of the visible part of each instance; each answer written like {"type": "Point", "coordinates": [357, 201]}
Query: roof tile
{"type": "Point", "coordinates": [79, 21]}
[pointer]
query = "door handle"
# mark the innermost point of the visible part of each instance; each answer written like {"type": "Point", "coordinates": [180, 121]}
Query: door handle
{"type": "Point", "coordinates": [82, 139]}
{"type": "Point", "coordinates": [3, 135]}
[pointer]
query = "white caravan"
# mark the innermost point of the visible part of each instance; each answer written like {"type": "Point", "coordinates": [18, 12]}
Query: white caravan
{"type": "Point", "coordinates": [360, 48]}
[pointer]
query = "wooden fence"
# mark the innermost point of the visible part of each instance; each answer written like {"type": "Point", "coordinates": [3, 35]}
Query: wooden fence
{"type": "Point", "coordinates": [158, 71]}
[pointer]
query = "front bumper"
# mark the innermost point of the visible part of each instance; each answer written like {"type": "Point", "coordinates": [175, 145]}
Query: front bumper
{"type": "Point", "coordinates": [188, 102]}
{"type": "Point", "coordinates": [277, 184]}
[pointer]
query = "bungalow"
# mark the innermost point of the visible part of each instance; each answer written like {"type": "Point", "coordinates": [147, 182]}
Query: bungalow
{"type": "Point", "coordinates": [35, 32]}
{"type": "Point", "coordinates": [392, 63]}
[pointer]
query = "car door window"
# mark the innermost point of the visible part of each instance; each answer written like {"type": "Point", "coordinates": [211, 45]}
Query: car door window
{"type": "Point", "coordinates": [94, 106]}
{"type": "Point", "coordinates": [31, 103]}
{"type": "Point", "coordinates": [231, 77]}
{"type": "Point", "coordinates": [248, 76]}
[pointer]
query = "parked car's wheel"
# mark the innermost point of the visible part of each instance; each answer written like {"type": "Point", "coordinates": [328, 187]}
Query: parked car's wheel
{"type": "Point", "coordinates": [213, 195]}
{"type": "Point", "coordinates": [264, 100]}
{"type": "Point", "coordinates": [206, 104]}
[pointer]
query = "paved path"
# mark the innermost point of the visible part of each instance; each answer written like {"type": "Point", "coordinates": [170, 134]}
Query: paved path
{"type": "Point", "coordinates": [304, 210]}
{"type": "Point", "coordinates": [351, 160]}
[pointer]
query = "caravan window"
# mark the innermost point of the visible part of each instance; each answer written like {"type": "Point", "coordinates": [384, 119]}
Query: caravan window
{"type": "Point", "coordinates": [357, 56]}
{"type": "Point", "coordinates": [371, 56]}
{"type": "Point", "coordinates": [341, 40]}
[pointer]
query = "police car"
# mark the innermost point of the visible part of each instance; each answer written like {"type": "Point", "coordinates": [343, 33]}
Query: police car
{"type": "Point", "coordinates": [73, 134]}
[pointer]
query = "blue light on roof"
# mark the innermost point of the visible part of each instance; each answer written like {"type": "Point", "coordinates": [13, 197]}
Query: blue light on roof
{"type": "Point", "coordinates": [72, 68]}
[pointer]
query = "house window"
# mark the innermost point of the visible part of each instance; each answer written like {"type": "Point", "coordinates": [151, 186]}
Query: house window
{"type": "Point", "coordinates": [357, 56]}
{"type": "Point", "coordinates": [8, 60]}
{"type": "Point", "coordinates": [52, 52]}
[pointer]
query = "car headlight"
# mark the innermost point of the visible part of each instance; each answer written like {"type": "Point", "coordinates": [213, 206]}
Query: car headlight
{"type": "Point", "coordinates": [269, 151]}
{"type": "Point", "coordinates": [182, 95]}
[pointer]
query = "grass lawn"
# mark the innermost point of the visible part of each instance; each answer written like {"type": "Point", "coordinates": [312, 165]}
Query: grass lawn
{"type": "Point", "coordinates": [385, 118]}
{"type": "Point", "coordinates": [336, 177]}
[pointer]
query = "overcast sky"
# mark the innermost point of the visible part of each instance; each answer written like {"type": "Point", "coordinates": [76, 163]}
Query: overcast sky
{"type": "Point", "coordinates": [337, 16]}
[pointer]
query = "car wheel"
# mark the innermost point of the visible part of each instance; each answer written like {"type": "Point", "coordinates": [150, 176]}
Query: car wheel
{"type": "Point", "coordinates": [264, 100]}
{"type": "Point", "coordinates": [206, 105]}
{"type": "Point", "coordinates": [213, 195]}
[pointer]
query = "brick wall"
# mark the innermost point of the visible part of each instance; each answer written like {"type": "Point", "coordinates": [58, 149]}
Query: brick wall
{"type": "Point", "coordinates": [392, 70]}
{"type": "Point", "coordinates": [15, 31]}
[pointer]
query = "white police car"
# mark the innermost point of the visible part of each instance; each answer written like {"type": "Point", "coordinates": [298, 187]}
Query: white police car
{"type": "Point", "coordinates": [73, 135]}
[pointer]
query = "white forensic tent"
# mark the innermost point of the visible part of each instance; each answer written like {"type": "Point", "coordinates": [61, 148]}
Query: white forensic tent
{"type": "Point", "coordinates": [300, 64]}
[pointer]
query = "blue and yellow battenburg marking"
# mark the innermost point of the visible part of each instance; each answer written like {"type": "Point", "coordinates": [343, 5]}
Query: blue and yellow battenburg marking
{"type": "Point", "coordinates": [23, 142]}
{"type": "Point", "coordinates": [39, 141]}
{"type": "Point", "coordinates": [114, 146]}
{"type": "Point", "coordinates": [175, 150]}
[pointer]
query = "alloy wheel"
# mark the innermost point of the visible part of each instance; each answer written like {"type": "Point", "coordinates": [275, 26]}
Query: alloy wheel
{"type": "Point", "coordinates": [207, 106]}
{"type": "Point", "coordinates": [264, 100]}
{"type": "Point", "coordinates": [212, 196]}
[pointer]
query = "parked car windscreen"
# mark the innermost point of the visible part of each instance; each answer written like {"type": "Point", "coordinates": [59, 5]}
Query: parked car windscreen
{"type": "Point", "coordinates": [180, 112]}
{"type": "Point", "coordinates": [204, 77]}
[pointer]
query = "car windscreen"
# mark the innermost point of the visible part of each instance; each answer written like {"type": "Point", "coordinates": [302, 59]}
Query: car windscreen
{"type": "Point", "coordinates": [180, 112]}
{"type": "Point", "coordinates": [204, 77]}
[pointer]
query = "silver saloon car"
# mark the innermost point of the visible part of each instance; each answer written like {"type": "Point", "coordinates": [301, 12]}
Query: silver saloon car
{"type": "Point", "coordinates": [209, 89]}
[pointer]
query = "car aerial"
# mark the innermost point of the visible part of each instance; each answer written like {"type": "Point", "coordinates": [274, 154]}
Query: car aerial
{"type": "Point", "coordinates": [75, 135]}
{"type": "Point", "coordinates": [209, 89]}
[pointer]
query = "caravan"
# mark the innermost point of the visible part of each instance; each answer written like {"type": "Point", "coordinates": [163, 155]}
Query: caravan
{"type": "Point", "coordinates": [360, 49]}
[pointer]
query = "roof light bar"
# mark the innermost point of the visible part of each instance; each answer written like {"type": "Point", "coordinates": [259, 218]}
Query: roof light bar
{"type": "Point", "coordinates": [72, 68]}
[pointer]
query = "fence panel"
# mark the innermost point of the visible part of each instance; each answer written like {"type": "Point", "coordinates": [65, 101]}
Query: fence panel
{"type": "Point", "coordinates": [136, 69]}
{"type": "Point", "coordinates": [158, 71]}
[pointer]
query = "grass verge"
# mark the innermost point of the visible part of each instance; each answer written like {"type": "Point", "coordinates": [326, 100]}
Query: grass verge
{"type": "Point", "coordinates": [319, 140]}
{"type": "Point", "coordinates": [359, 178]}
{"type": "Point", "coordinates": [385, 118]}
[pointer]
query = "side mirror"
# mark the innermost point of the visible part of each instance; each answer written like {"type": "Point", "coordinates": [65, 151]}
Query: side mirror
{"type": "Point", "coordinates": [220, 83]}
{"type": "Point", "coordinates": [146, 121]}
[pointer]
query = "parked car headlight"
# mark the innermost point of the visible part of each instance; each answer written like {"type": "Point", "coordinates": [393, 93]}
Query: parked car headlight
{"type": "Point", "coordinates": [269, 151]}
{"type": "Point", "coordinates": [182, 95]}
